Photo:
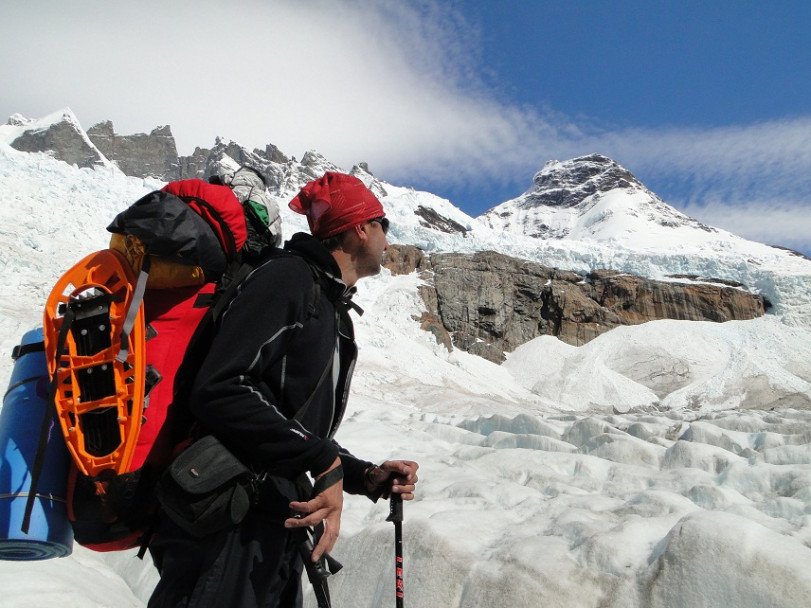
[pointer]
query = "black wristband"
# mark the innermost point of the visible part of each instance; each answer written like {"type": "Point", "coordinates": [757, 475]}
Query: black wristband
{"type": "Point", "coordinates": [330, 478]}
{"type": "Point", "coordinates": [378, 489]}
{"type": "Point", "coordinates": [367, 475]}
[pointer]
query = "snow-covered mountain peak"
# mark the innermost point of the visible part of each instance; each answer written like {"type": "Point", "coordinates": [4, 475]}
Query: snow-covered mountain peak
{"type": "Point", "coordinates": [63, 115]}
{"type": "Point", "coordinates": [18, 125]}
{"type": "Point", "coordinates": [568, 183]}
{"type": "Point", "coordinates": [593, 197]}
{"type": "Point", "coordinates": [59, 131]}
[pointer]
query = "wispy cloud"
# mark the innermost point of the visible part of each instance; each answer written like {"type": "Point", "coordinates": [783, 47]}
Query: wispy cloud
{"type": "Point", "coordinates": [753, 180]}
{"type": "Point", "coordinates": [771, 152]}
{"type": "Point", "coordinates": [773, 222]}
{"type": "Point", "coordinates": [395, 84]}
{"type": "Point", "coordinates": [392, 83]}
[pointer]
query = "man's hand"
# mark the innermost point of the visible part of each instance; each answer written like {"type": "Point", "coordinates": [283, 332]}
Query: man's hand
{"type": "Point", "coordinates": [400, 477]}
{"type": "Point", "coordinates": [325, 507]}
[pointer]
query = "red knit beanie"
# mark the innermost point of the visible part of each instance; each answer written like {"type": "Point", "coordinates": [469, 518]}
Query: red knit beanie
{"type": "Point", "coordinates": [336, 202]}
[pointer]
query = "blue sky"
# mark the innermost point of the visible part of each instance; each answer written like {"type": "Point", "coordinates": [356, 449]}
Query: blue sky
{"type": "Point", "coordinates": [706, 102]}
{"type": "Point", "coordinates": [659, 66]}
{"type": "Point", "coordinates": [652, 63]}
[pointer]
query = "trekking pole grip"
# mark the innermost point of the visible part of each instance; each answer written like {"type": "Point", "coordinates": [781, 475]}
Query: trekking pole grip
{"type": "Point", "coordinates": [395, 508]}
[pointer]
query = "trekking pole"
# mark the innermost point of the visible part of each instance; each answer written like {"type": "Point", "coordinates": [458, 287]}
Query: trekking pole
{"type": "Point", "coordinates": [316, 571]}
{"type": "Point", "coordinates": [396, 516]}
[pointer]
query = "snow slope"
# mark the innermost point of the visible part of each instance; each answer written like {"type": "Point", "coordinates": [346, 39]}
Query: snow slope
{"type": "Point", "coordinates": [662, 465]}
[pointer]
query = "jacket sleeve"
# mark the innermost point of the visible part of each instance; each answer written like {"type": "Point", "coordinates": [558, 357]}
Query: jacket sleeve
{"type": "Point", "coordinates": [354, 470]}
{"type": "Point", "coordinates": [230, 397]}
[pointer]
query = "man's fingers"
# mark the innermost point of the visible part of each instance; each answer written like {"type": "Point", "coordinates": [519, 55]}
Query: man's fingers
{"type": "Point", "coordinates": [308, 514]}
{"type": "Point", "coordinates": [327, 540]}
{"type": "Point", "coordinates": [306, 507]}
{"type": "Point", "coordinates": [326, 506]}
{"type": "Point", "coordinates": [402, 471]}
{"type": "Point", "coordinates": [313, 519]}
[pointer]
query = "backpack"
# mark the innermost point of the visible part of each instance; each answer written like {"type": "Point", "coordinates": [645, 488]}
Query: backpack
{"type": "Point", "coordinates": [117, 327]}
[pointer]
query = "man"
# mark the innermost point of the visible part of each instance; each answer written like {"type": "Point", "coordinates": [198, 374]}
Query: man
{"type": "Point", "coordinates": [273, 389]}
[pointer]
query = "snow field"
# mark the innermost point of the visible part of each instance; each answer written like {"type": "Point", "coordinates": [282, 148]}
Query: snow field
{"type": "Point", "coordinates": [662, 465]}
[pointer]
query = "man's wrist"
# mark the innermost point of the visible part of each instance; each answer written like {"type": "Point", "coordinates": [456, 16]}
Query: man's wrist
{"type": "Point", "coordinates": [328, 479]}
{"type": "Point", "coordinates": [376, 489]}
{"type": "Point", "coordinates": [368, 477]}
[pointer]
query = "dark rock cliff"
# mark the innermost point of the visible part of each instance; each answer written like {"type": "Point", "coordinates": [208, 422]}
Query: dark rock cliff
{"type": "Point", "coordinates": [141, 155]}
{"type": "Point", "coordinates": [150, 155]}
{"type": "Point", "coordinates": [487, 303]}
{"type": "Point", "coordinates": [64, 140]}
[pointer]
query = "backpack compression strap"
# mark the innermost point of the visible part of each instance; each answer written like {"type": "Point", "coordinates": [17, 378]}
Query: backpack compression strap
{"type": "Point", "coordinates": [24, 349]}
{"type": "Point", "coordinates": [45, 427]}
{"type": "Point", "coordinates": [132, 313]}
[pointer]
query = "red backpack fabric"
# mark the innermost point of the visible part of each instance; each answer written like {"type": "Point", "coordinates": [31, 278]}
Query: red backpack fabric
{"type": "Point", "coordinates": [215, 204]}
{"type": "Point", "coordinates": [196, 230]}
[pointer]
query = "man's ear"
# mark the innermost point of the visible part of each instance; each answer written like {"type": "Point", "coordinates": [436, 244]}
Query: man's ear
{"type": "Point", "coordinates": [361, 233]}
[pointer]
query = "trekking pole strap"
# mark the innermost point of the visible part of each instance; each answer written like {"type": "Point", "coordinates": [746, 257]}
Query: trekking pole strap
{"type": "Point", "coordinates": [328, 479]}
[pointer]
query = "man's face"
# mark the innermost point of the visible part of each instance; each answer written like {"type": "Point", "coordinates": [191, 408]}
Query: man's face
{"type": "Point", "coordinates": [371, 258]}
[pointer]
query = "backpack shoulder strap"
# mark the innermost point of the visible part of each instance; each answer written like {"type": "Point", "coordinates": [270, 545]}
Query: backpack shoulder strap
{"type": "Point", "coordinates": [218, 303]}
{"type": "Point", "coordinates": [228, 290]}
{"type": "Point", "coordinates": [306, 405]}
{"type": "Point", "coordinates": [315, 292]}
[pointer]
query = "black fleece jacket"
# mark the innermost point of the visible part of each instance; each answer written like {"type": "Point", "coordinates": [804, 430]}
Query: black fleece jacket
{"type": "Point", "coordinates": [288, 323]}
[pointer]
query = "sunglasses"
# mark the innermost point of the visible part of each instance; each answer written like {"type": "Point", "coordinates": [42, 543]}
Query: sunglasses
{"type": "Point", "coordinates": [384, 223]}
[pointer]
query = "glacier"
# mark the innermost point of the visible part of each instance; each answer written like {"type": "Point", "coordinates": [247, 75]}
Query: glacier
{"type": "Point", "coordinates": [660, 465]}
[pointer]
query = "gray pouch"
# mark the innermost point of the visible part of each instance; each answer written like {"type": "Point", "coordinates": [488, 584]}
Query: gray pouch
{"type": "Point", "coordinates": [206, 489]}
